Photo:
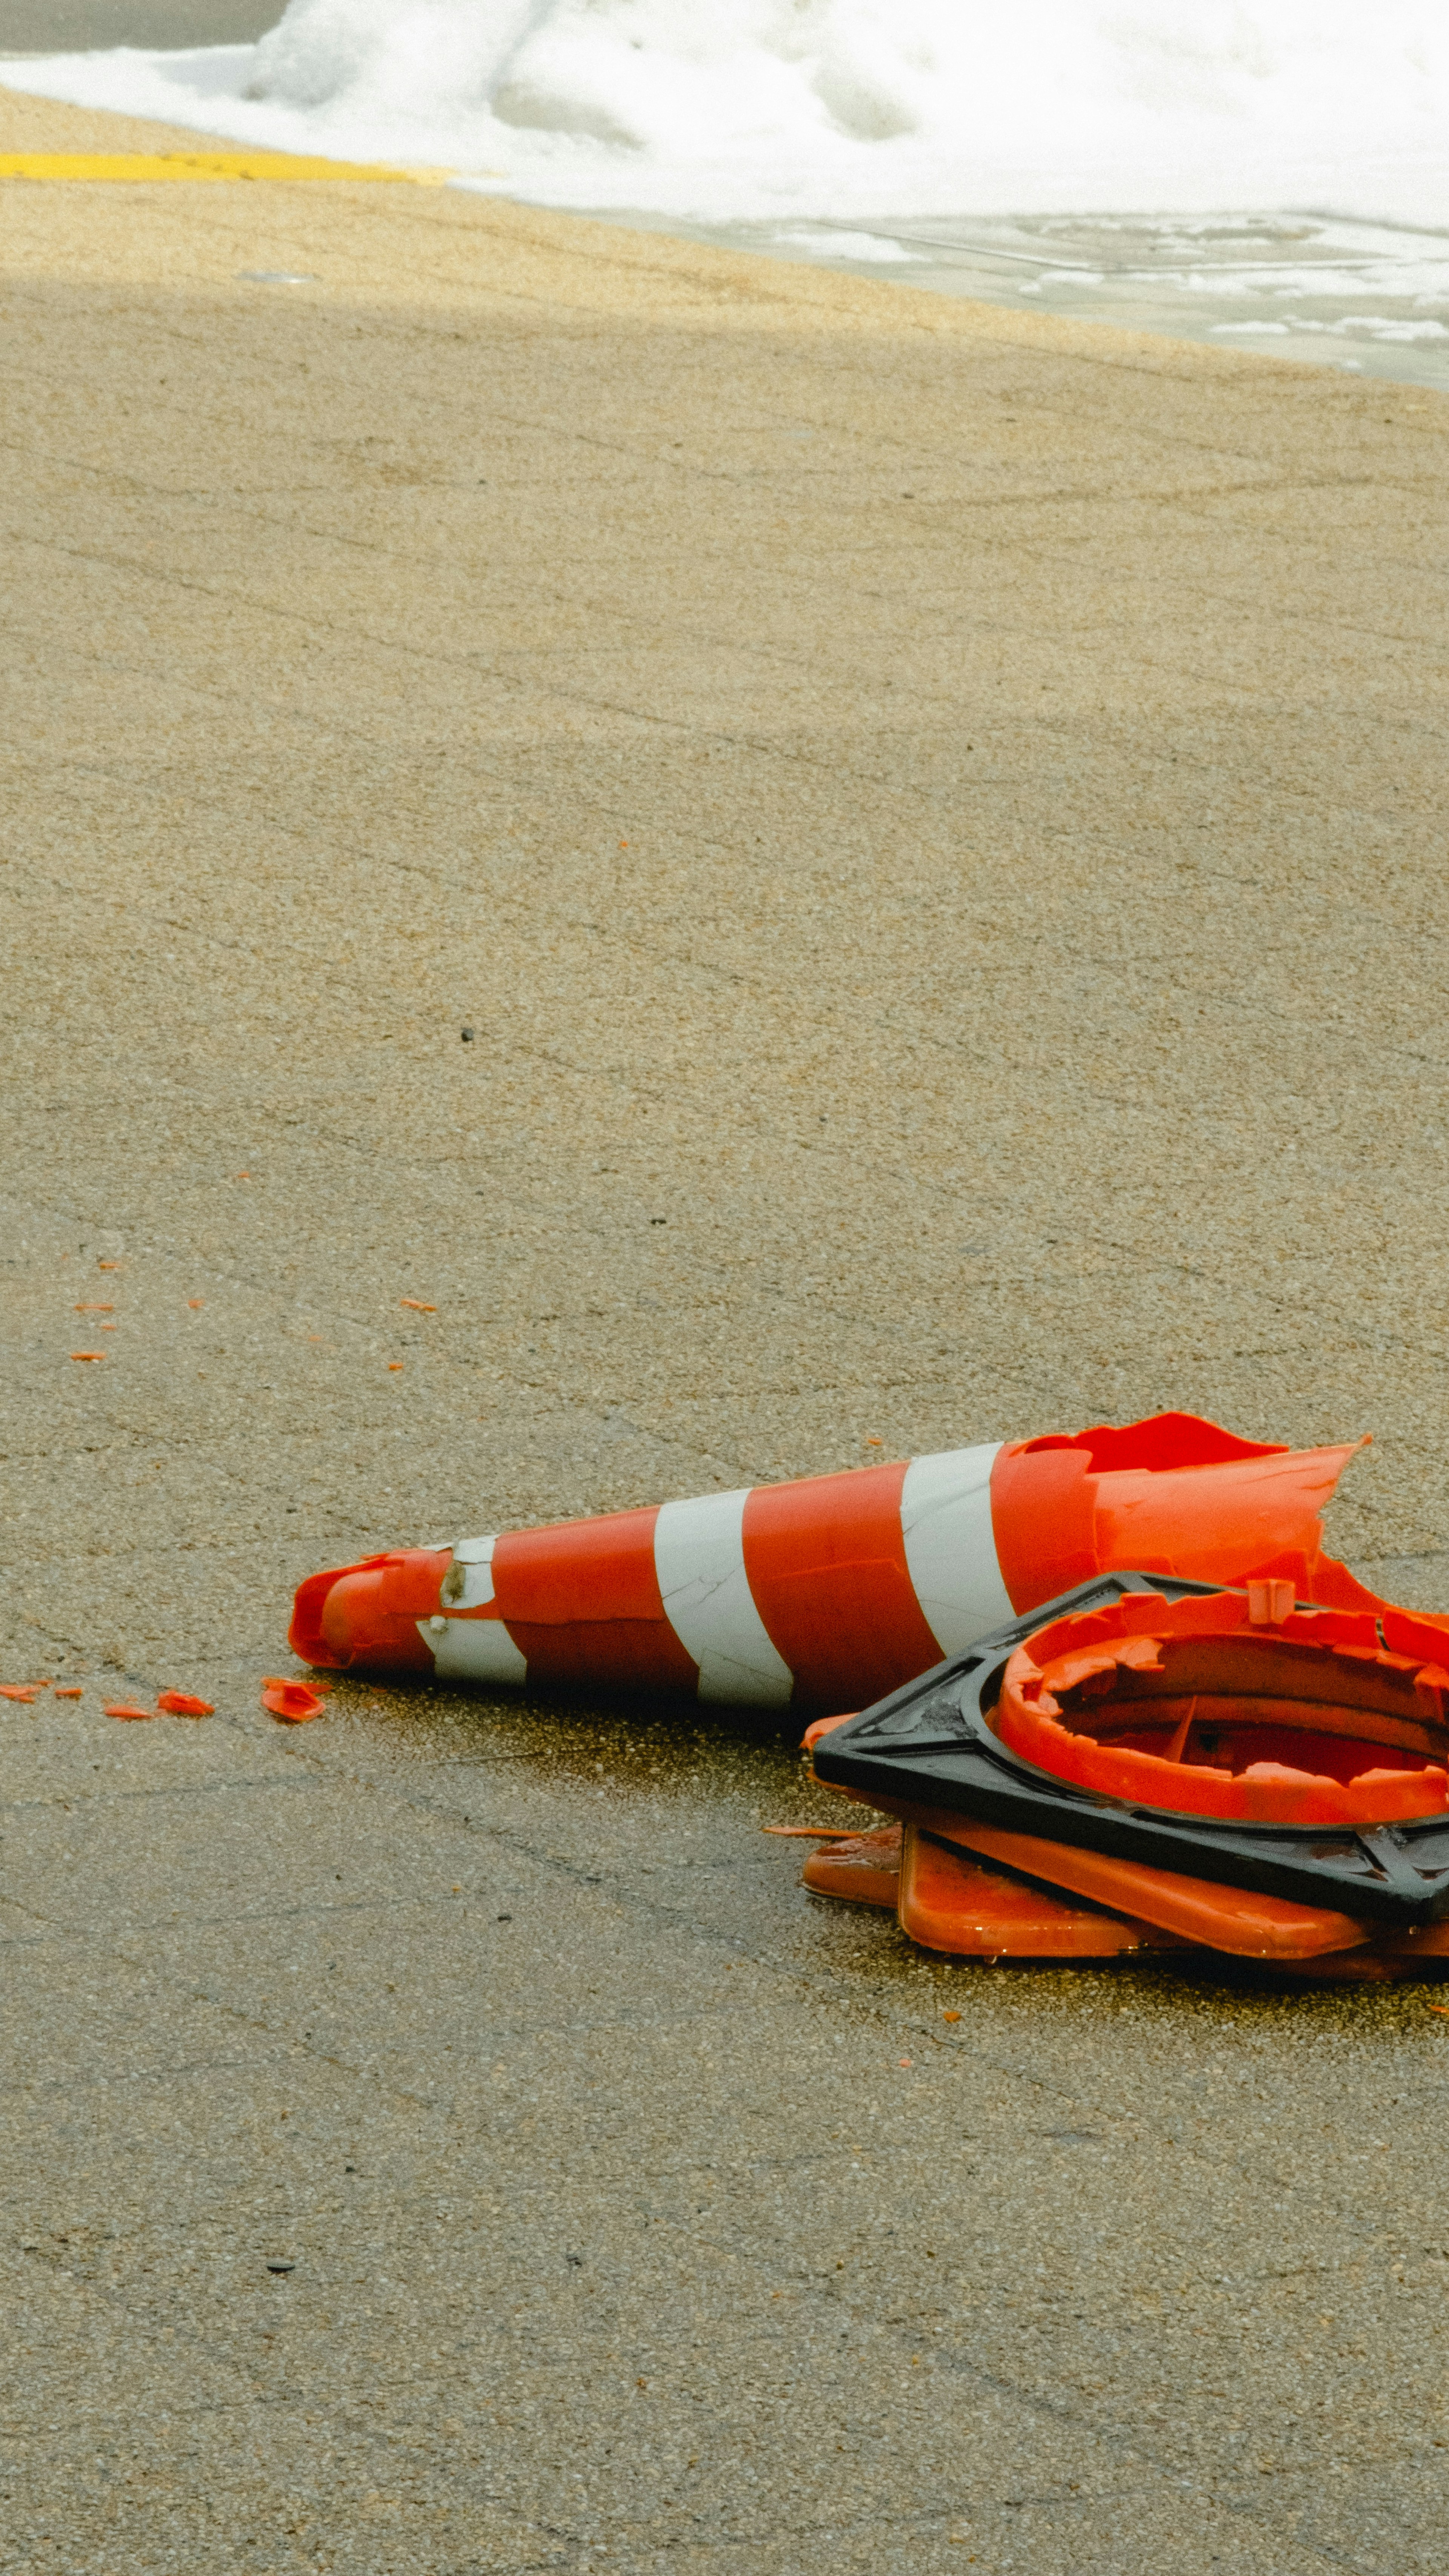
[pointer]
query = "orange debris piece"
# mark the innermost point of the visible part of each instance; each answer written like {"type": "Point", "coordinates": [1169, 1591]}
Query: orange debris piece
{"type": "Point", "coordinates": [182, 1704]}
{"type": "Point", "coordinates": [863, 1868]}
{"type": "Point", "coordinates": [949, 1902]}
{"type": "Point", "coordinates": [93, 1310]}
{"type": "Point", "coordinates": [69, 1690]}
{"type": "Point", "coordinates": [417, 1305]}
{"type": "Point", "coordinates": [395, 1368]}
{"type": "Point", "coordinates": [292, 1702]}
{"type": "Point", "coordinates": [88, 1355]}
{"type": "Point", "coordinates": [108, 1265]}
{"type": "Point", "coordinates": [807, 1833]}
{"type": "Point", "coordinates": [194, 1302]}
{"type": "Point", "coordinates": [18, 1690]}
{"type": "Point", "coordinates": [123, 1708]}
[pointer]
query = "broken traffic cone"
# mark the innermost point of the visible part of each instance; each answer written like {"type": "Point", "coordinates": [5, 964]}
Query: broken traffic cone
{"type": "Point", "coordinates": [1240, 1772]}
{"type": "Point", "coordinates": [834, 1589]}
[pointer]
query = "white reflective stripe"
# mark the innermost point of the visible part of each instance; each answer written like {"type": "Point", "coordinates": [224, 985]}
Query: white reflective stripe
{"type": "Point", "coordinates": [699, 1558]}
{"type": "Point", "coordinates": [473, 1650]}
{"type": "Point", "coordinates": [468, 1583]}
{"type": "Point", "coordinates": [951, 1546]}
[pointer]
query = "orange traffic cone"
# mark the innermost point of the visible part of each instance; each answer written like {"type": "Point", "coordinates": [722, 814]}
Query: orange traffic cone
{"type": "Point", "coordinates": [837, 1589]}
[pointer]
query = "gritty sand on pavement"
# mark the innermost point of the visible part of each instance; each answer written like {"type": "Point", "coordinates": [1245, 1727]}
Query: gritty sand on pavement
{"type": "Point", "coordinates": [934, 818]}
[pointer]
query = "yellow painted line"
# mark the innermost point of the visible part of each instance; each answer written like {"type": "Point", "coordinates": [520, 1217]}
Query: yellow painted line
{"type": "Point", "coordinates": [201, 165]}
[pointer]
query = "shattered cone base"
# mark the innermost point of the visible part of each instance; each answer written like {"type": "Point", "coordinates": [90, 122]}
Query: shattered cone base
{"type": "Point", "coordinates": [1293, 1757]}
{"type": "Point", "coordinates": [948, 1902]}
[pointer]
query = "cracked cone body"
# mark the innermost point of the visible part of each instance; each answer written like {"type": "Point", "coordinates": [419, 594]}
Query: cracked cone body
{"type": "Point", "coordinates": [836, 1589]}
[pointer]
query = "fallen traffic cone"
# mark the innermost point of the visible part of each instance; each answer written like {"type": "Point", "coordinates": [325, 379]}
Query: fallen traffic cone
{"type": "Point", "coordinates": [1228, 1770]}
{"type": "Point", "coordinates": [838, 1588]}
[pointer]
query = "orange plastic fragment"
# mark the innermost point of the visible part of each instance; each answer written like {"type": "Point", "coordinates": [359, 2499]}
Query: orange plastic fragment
{"type": "Point", "coordinates": [1197, 1910]}
{"type": "Point", "coordinates": [194, 1302]}
{"type": "Point", "coordinates": [806, 1833]}
{"type": "Point", "coordinates": [93, 1310]}
{"type": "Point", "coordinates": [88, 1355]}
{"type": "Point", "coordinates": [182, 1704]}
{"type": "Point", "coordinates": [292, 1702]}
{"type": "Point", "coordinates": [949, 1902]}
{"type": "Point", "coordinates": [69, 1690]}
{"type": "Point", "coordinates": [108, 1265]}
{"type": "Point", "coordinates": [825, 1726]}
{"type": "Point", "coordinates": [1064, 1510]}
{"type": "Point", "coordinates": [123, 1708]}
{"type": "Point", "coordinates": [863, 1868]}
{"type": "Point", "coordinates": [394, 1367]}
{"type": "Point", "coordinates": [417, 1305]}
{"type": "Point", "coordinates": [18, 1690]}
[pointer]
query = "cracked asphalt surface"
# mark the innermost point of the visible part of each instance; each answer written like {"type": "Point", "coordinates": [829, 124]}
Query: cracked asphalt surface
{"type": "Point", "coordinates": [933, 821]}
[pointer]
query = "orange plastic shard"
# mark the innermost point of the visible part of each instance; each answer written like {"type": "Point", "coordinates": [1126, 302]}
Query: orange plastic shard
{"type": "Point", "coordinates": [88, 1355]}
{"type": "Point", "coordinates": [417, 1305]}
{"type": "Point", "coordinates": [292, 1702]}
{"type": "Point", "coordinates": [1196, 1909]}
{"type": "Point", "coordinates": [124, 1708]}
{"type": "Point", "coordinates": [1171, 1495]}
{"type": "Point", "coordinates": [863, 1868]}
{"type": "Point", "coordinates": [70, 1690]}
{"type": "Point", "coordinates": [183, 1704]}
{"type": "Point", "coordinates": [825, 1726]}
{"type": "Point", "coordinates": [18, 1690]}
{"type": "Point", "coordinates": [949, 1902]}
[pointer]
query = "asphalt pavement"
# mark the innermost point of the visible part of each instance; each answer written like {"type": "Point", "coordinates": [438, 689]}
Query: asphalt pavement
{"type": "Point", "coordinates": [933, 818]}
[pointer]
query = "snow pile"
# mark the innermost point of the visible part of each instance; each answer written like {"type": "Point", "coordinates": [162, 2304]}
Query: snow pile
{"type": "Point", "coordinates": [731, 109]}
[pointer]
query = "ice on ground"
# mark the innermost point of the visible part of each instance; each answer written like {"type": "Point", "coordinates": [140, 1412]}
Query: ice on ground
{"type": "Point", "coordinates": [727, 110]}
{"type": "Point", "coordinates": [839, 242]}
